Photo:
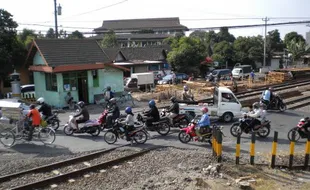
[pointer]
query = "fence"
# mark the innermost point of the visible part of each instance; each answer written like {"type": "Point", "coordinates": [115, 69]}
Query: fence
{"type": "Point", "coordinates": [217, 150]}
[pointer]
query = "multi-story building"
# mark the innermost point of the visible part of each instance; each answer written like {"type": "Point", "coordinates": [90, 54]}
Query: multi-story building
{"type": "Point", "coordinates": [141, 32]}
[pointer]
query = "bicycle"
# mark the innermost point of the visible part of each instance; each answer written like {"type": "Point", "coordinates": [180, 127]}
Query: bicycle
{"type": "Point", "coordinates": [6, 136]}
{"type": "Point", "coordinates": [126, 96]}
{"type": "Point", "coordinates": [42, 133]}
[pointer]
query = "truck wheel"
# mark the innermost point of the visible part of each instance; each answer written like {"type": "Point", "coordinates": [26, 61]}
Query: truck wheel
{"type": "Point", "coordinates": [227, 117]}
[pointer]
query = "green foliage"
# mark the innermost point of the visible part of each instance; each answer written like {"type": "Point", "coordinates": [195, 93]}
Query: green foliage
{"type": "Point", "coordinates": [187, 53]}
{"type": "Point", "coordinates": [223, 50]}
{"type": "Point", "coordinates": [224, 35]}
{"type": "Point", "coordinates": [291, 36]}
{"type": "Point", "coordinates": [298, 49]}
{"type": "Point", "coordinates": [109, 40]}
{"type": "Point", "coordinates": [76, 35]}
{"type": "Point", "coordinates": [50, 33]}
{"type": "Point", "coordinates": [12, 50]}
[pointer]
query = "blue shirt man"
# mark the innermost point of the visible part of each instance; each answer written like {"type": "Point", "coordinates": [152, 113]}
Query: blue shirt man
{"type": "Point", "coordinates": [204, 121]}
{"type": "Point", "coordinates": [266, 95]}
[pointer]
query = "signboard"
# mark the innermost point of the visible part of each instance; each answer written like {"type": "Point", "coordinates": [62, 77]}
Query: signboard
{"type": "Point", "coordinates": [67, 87]}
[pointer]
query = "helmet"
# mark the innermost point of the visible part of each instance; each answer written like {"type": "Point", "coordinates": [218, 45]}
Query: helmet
{"type": "Point", "coordinates": [173, 99]}
{"type": "Point", "coordinates": [40, 100]}
{"type": "Point", "coordinates": [204, 110]}
{"type": "Point", "coordinates": [81, 104]}
{"type": "Point", "coordinates": [113, 100]}
{"type": "Point", "coordinates": [152, 103]}
{"type": "Point", "coordinates": [256, 105]}
{"type": "Point", "coordinates": [185, 88]}
{"type": "Point", "coordinates": [32, 106]}
{"type": "Point", "coordinates": [108, 88]}
{"type": "Point", "coordinates": [128, 110]}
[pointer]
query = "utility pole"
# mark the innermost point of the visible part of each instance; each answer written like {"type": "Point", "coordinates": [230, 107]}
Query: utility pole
{"type": "Point", "coordinates": [265, 20]}
{"type": "Point", "coordinates": [56, 12]}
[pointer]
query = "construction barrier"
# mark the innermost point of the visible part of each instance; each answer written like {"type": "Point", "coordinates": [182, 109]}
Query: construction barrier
{"type": "Point", "coordinates": [292, 146]}
{"type": "Point", "coordinates": [274, 149]}
{"type": "Point", "coordinates": [252, 149]}
{"type": "Point", "coordinates": [238, 150]}
{"type": "Point", "coordinates": [217, 140]}
{"type": "Point", "coordinates": [307, 152]}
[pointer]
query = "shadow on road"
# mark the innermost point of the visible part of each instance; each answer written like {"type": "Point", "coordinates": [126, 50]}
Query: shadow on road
{"type": "Point", "coordinates": [41, 150]}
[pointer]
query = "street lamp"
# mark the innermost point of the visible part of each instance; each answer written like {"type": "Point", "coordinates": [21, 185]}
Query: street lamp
{"type": "Point", "coordinates": [57, 10]}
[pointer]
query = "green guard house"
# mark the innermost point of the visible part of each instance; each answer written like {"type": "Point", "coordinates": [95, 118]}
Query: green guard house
{"type": "Point", "coordinates": [79, 66]}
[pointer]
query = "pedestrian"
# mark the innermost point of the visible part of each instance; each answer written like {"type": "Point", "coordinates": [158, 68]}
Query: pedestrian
{"type": "Point", "coordinates": [173, 78]}
{"type": "Point", "coordinates": [252, 76]}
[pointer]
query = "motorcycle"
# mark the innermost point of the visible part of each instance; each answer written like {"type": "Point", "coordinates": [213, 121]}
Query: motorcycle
{"type": "Point", "coordinates": [276, 104]}
{"type": "Point", "coordinates": [243, 126]}
{"type": "Point", "coordinates": [300, 130]}
{"type": "Point", "coordinates": [189, 133]}
{"type": "Point", "coordinates": [117, 131]}
{"type": "Point", "coordinates": [91, 126]}
{"type": "Point", "coordinates": [53, 120]}
{"type": "Point", "coordinates": [180, 121]}
{"type": "Point", "coordinates": [162, 126]}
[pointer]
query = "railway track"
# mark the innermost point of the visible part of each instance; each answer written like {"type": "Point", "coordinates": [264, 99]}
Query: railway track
{"type": "Point", "coordinates": [68, 169]}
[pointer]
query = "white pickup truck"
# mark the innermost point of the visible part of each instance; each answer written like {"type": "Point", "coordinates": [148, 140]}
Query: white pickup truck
{"type": "Point", "coordinates": [224, 105]}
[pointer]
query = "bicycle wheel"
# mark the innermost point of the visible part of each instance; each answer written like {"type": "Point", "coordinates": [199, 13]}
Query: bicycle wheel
{"type": "Point", "coordinates": [7, 138]}
{"type": "Point", "coordinates": [47, 135]}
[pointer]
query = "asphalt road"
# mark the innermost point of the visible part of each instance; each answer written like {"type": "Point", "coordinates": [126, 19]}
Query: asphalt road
{"type": "Point", "coordinates": [281, 122]}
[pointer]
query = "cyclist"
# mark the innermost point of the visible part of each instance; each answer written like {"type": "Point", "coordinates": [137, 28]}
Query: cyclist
{"type": "Point", "coordinates": [34, 114]}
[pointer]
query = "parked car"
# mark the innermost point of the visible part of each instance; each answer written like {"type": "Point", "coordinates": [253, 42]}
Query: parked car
{"type": "Point", "coordinates": [242, 71]}
{"type": "Point", "coordinates": [27, 88]}
{"type": "Point", "coordinates": [166, 80]}
{"type": "Point", "coordinates": [182, 76]}
{"type": "Point", "coordinates": [219, 74]}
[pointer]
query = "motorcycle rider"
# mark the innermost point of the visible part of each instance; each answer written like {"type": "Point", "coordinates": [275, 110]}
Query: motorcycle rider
{"type": "Point", "coordinates": [258, 115]}
{"type": "Point", "coordinates": [34, 114]}
{"type": "Point", "coordinates": [174, 109]}
{"type": "Point", "coordinates": [267, 96]}
{"type": "Point", "coordinates": [187, 95]}
{"type": "Point", "coordinates": [152, 114]}
{"type": "Point", "coordinates": [203, 126]}
{"type": "Point", "coordinates": [129, 122]}
{"type": "Point", "coordinates": [114, 112]}
{"type": "Point", "coordinates": [82, 112]}
{"type": "Point", "coordinates": [45, 108]}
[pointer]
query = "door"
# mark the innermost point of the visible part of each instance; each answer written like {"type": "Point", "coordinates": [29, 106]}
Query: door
{"type": "Point", "coordinates": [228, 103]}
{"type": "Point", "coordinates": [83, 90]}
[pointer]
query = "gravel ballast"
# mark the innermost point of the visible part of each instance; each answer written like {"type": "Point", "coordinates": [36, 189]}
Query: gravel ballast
{"type": "Point", "coordinates": [28, 178]}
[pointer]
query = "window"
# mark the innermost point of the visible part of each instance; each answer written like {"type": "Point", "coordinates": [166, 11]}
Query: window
{"type": "Point", "coordinates": [71, 80]}
{"type": "Point", "coordinates": [51, 82]}
{"type": "Point", "coordinates": [153, 67]}
{"type": "Point", "coordinates": [227, 97]}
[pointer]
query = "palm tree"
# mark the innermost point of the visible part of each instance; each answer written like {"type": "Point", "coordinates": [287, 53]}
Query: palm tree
{"type": "Point", "coordinates": [297, 49]}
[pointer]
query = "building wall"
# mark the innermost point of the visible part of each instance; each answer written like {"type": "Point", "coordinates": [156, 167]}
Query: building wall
{"type": "Point", "coordinates": [140, 68]}
{"type": "Point", "coordinates": [38, 60]}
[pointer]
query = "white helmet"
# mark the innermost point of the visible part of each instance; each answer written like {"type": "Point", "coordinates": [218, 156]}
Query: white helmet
{"type": "Point", "coordinates": [40, 100]}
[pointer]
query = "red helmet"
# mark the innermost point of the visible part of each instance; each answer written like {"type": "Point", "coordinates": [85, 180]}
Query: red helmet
{"type": "Point", "coordinates": [204, 110]}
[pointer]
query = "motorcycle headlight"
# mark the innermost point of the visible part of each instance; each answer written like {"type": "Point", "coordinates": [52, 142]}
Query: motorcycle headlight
{"type": "Point", "coordinates": [240, 119]}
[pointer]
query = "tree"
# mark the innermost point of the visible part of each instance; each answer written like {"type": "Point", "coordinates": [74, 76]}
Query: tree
{"type": "Point", "coordinates": [293, 35]}
{"type": "Point", "coordinates": [186, 55]}
{"type": "Point", "coordinates": [76, 35]}
{"type": "Point", "coordinates": [50, 33]}
{"type": "Point", "coordinates": [223, 51]}
{"type": "Point", "coordinates": [10, 46]}
{"type": "Point", "coordinates": [298, 49]}
{"type": "Point", "coordinates": [109, 40]}
{"type": "Point", "coordinates": [26, 37]}
{"type": "Point", "coordinates": [199, 34]}
{"type": "Point", "coordinates": [224, 35]}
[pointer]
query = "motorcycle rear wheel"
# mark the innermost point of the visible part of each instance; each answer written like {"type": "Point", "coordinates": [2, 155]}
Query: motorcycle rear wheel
{"type": "Point", "coordinates": [184, 137]}
{"type": "Point", "coordinates": [55, 125]}
{"type": "Point", "coordinates": [140, 137]}
{"type": "Point", "coordinates": [290, 135]}
{"type": "Point", "coordinates": [163, 129]}
{"type": "Point", "coordinates": [263, 132]}
{"type": "Point", "coordinates": [110, 137]}
{"type": "Point", "coordinates": [68, 130]}
{"type": "Point", "coordinates": [96, 133]}
{"type": "Point", "coordinates": [235, 130]}
{"type": "Point", "coordinates": [282, 107]}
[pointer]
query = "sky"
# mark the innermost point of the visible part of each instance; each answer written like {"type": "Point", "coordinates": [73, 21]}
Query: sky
{"type": "Point", "coordinates": [87, 15]}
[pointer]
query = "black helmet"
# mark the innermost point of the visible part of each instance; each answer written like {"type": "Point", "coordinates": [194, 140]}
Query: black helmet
{"type": "Point", "coordinates": [108, 88]}
{"type": "Point", "coordinates": [173, 99]}
{"type": "Point", "coordinates": [81, 104]}
{"type": "Point", "coordinates": [32, 106]}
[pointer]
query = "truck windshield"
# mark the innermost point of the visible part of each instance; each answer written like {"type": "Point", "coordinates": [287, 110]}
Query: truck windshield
{"type": "Point", "coordinates": [236, 71]}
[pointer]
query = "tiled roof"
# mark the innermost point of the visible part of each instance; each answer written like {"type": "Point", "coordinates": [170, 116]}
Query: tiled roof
{"type": "Point", "coordinates": [150, 53]}
{"type": "Point", "coordinates": [71, 51]}
{"type": "Point", "coordinates": [142, 24]}
{"type": "Point", "coordinates": [135, 36]}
